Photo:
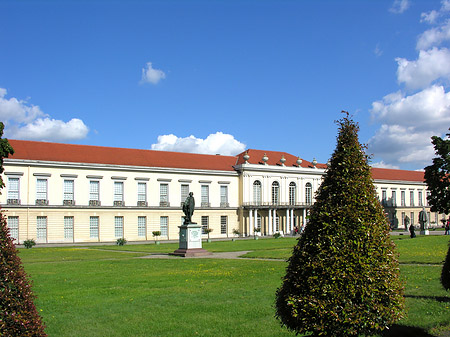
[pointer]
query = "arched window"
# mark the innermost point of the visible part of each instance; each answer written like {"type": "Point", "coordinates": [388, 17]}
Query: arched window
{"type": "Point", "coordinates": [308, 193]}
{"type": "Point", "coordinates": [292, 190]}
{"type": "Point", "coordinates": [257, 192]}
{"type": "Point", "coordinates": [275, 192]}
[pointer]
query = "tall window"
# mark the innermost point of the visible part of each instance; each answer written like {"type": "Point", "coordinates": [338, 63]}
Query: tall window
{"type": "Point", "coordinates": [277, 223]}
{"type": "Point", "coordinates": [13, 190]}
{"type": "Point", "coordinates": [308, 193]}
{"type": "Point", "coordinates": [394, 198]}
{"type": "Point", "coordinates": [68, 227]}
{"type": "Point", "coordinates": [275, 192]}
{"type": "Point", "coordinates": [292, 193]}
{"type": "Point", "coordinates": [257, 192]}
{"type": "Point", "coordinates": [68, 192]}
{"type": "Point", "coordinates": [403, 218]}
{"type": "Point", "coordinates": [94, 193]}
{"type": "Point", "coordinates": [118, 226]}
{"type": "Point", "coordinates": [41, 191]}
{"type": "Point", "coordinates": [411, 198]}
{"type": "Point", "coordinates": [411, 216]}
{"type": "Point", "coordinates": [13, 225]}
{"type": "Point", "coordinates": [142, 194]}
{"type": "Point", "coordinates": [142, 226]}
{"type": "Point", "coordinates": [118, 193]}
{"type": "Point", "coordinates": [41, 228]}
{"type": "Point", "coordinates": [258, 221]}
{"type": "Point", "coordinates": [164, 194]}
{"type": "Point", "coordinates": [420, 198]}
{"type": "Point", "coordinates": [205, 224]}
{"type": "Point", "coordinates": [184, 192]}
{"type": "Point", "coordinates": [164, 225]}
{"type": "Point", "coordinates": [223, 224]}
{"type": "Point", "coordinates": [223, 196]}
{"type": "Point", "coordinates": [94, 227]}
{"type": "Point", "coordinates": [403, 197]}
{"type": "Point", "coordinates": [205, 195]}
{"type": "Point", "coordinates": [384, 197]}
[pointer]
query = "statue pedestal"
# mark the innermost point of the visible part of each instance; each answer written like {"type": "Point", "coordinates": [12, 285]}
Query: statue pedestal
{"type": "Point", "coordinates": [190, 241]}
{"type": "Point", "coordinates": [424, 232]}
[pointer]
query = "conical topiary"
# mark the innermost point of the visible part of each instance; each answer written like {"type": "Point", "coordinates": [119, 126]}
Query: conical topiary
{"type": "Point", "coordinates": [18, 314]}
{"type": "Point", "coordinates": [343, 277]}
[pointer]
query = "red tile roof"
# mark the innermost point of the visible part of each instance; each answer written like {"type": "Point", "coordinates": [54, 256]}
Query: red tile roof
{"type": "Point", "coordinates": [44, 151]}
{"type": "Point", "coordinates": [397, 175]}
{"type": "Point", "coordinates": [274, 158]}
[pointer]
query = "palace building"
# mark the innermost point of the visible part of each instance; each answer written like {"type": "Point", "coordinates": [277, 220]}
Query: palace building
{"type": "Point", "coordinates": [64, 193]}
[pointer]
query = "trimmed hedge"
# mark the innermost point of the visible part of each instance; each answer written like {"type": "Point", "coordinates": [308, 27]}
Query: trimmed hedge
{"type": "Point", "coordinates": [343, 276]}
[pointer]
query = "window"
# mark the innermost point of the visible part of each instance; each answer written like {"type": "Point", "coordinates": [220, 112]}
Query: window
{"type": "Point", "coordinates": [223, 224]}
{"type": "Point", "coordinates": [308, 193]}
{"type": "Point", "coordinates": [118, 226]}
{"type": "Point", "coordinates": [118, 193]}
{"type": "Point", "coordinates": [142, 226]}
{"type": "Point", "coordinates": [277, 223]}
{"type": "Point", "coordinates": [41, 192]}
{"type": "Point", "coordinates": [164, 195]}
{"type": "Point", "coordinates": [13, 191]}
{"type": "Point", "coordinates": [258, 221]}
{"type": "Point", "coordinates": [163, 225]}
{"type": "Point", "coordinates": [94, 193]}
{"type": "Point", "coordinates": [426, 200]}
{"type": "Point", "coordinates": [403, 197]}
{"type": "Point", "coordinates": [403, 218]}
{"type": "Point", "coordinates": [275, 192]}
{"type": "Point", "coordinates": [205, 223]}
{"type": "Point", "coordinates": [394, 198]}
{"type": "Point", "coordinates": [142, 194]}
{"type": "Point", "coordinates": [292, 192]}
{"type": "Point", "coordinates": [257, 192]}
{"type": "Point", "coordinates": [411, 198]}
{"type": "Point", "coordinates": [224, 196]}
{"type": "Point", "coordinates": [205, 196]}
{"type": "Point", "coordinates": [184, 193]}
{"type": "Point", "coordinates": [13, 225]}
{"type": "Point", "coordinates": [41, 228]}
{"type": "Point", "coordinates": [420, 198]}
{"type": "Point", "coordinates": [68, 227]}
{"type": "Point", "coordinates": [94, 227]}
{"type": "Point", "coordinates": [411, 218]}
{"type": "Point", "coordinates": [68, 198]}
{"type": "Point", "coordinates": [384, 197]}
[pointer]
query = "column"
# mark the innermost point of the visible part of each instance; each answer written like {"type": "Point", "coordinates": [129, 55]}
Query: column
{"type": "Point", "coordinates": [288, 222]}
{"type": "Point", "coordinates": [269, 225]}
{"type": "Point", "coordinates": [250, 225]}
{"type": "Point", "coordinates": [256, 219]}
{"type": "Point", "coordinates": [274, 223]}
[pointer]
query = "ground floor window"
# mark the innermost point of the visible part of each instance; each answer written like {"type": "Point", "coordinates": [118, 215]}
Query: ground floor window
{"type": "Point", "coordinates": [93, 227]}
{"type": "Point", "coordinates": [223, 224]}
{"type": "Point", "coordinates": [41, 228]}
{"type": "Point", "coordinates": [118, 226]}
{"type": "Point", "coordinates": [142, 226]}
{"type": "Point", "coordinates": [13, 225]}
{"type": "Point", "coordinates": [412, 218]}
{"type": "Point", "coordinates": [205, 222]}
{"type": "Point", "coordinates": [163, 225]}
{"type": "Point", "coordinates": [68, 227]}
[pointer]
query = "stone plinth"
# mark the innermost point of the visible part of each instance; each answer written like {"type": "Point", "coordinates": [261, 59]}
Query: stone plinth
{"type": "Point", "coordinates": [190, 241]}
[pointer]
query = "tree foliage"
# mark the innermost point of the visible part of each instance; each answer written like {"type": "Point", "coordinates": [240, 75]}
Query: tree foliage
{"type": "Point", "coordinates": [18, 314]}
{"type": "Point", "coordinates": [343, 276]}
{"type": "Point", "coordinates": [437, 176]}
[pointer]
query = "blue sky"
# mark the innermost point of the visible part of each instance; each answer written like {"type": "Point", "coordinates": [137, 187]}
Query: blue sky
{"type": "Point", "coordinates": [223, 76]}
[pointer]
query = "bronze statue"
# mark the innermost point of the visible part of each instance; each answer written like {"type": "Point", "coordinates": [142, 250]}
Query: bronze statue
{"type": "Point", "coordinates": [188, 208]}
{"type": "Point", "coordinates": [423, 219]}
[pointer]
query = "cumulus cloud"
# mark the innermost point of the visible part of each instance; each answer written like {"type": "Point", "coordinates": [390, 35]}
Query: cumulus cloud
{"type": "Point", "coordinates": [399, 6]}
{"type": "Point", "coordinates": [431, 65]}
{"type": "Point", "coordinates": [27, 121]}
{"type": "Point", "coordinates": [434, 36]}
{"type": "Point", "coordinates": [217, 143]}
{"type": "Point", "coordinates": [382, 164]}
{"type": "Point", "coordinates": [151, 75]}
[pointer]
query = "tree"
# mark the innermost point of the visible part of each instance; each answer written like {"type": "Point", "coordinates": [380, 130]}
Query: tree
{"type": "Point", "coordinates": [18, 314]}
{"type": "Point", "coordinates": [343, 276]}
{"type": "Point", "coordinates": [437, 176]}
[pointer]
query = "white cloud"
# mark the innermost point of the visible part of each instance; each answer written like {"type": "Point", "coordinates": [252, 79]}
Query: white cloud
{"type": "Point", "coordinates": [151, 75]}
{"type": "Point", "coordinates": [26, 121]}
{"type": "Point", "coordinates": [217, 143]}
{"type": "Point", "coordinates": [377, 51]}
{"type": "Point", "coordinates": [431, 65]}
{"type": "Point", "coordinates": [382, 164]}
{"type": "Point", "coordinates": [434, 36]}
{"type": "Point", "coordinates": [399, 6]}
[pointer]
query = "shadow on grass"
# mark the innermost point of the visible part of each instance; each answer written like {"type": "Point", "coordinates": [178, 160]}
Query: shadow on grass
{"type": "Point", "coordinates": [405, 331]}
{"type": "Point", "coordinates": [434, 298]}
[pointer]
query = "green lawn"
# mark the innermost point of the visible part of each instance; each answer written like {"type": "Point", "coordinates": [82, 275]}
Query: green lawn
{"type": "Point", "coordinates": [108, 291]}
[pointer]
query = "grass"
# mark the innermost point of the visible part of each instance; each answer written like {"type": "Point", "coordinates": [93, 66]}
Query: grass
{"type": "Point", "coordinates": [108, 291]}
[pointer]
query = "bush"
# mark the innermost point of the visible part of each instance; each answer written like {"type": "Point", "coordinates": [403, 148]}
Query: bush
{"type": "Point", "coordinates": [121, 241]}
{"type": "Point", "coordinates": [18, 314]}
{"type": "Point", "coordinates": [276, 235]}
{"type": "Point", "coordinates": [343, 276]}
{"type": "Point", "coordinates": [29, 243]}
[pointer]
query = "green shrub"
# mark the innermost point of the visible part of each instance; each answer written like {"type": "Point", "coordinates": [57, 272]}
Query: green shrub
{"type": "Point", "coordinates": [121, 241]}
{"type": "Point", "coordinates": [343, 276]}
{"type": "Point", "coordinates": [276, 235]}
{"type": "Point", "coordinates": [18, 314]}
{"type": "Point", "coordinates": [29, 243]}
